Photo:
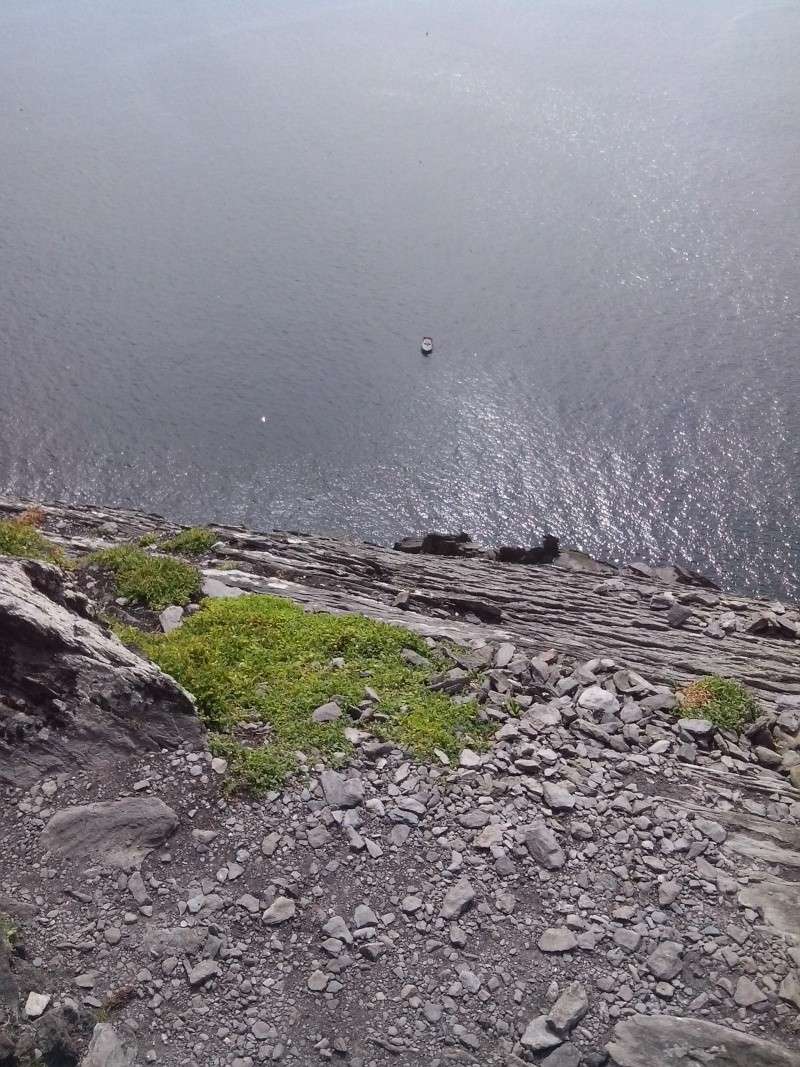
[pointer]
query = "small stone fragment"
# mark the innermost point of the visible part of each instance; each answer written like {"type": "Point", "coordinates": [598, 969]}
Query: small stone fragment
{"type": "Point", "coordinates": [557, 939]}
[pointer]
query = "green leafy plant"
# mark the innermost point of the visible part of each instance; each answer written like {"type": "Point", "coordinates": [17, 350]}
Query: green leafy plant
{"type": "Point", "coordinates": [155, 581]}
{"type": "Point", "coordinates": [194, 542]}
{"type": "Point", "coordinates": [20, 537]}
{"type": "Point", "coordinates": [8, 932]}
{"type": "Point", "coordinates": [722, 701]}
{"type": "Point", "coordinates": [265, 660]}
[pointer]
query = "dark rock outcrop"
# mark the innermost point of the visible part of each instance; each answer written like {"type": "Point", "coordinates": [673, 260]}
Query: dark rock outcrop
{"type": "Point", "coordinates": [70, 692]}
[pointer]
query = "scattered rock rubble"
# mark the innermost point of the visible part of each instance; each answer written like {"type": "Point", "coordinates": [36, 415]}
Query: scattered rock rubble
{"type": "Point", "coordinates": [607, 883]}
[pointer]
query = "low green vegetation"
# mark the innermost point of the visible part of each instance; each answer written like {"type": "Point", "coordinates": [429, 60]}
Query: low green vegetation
{"type": "Point", "coordinates": [155, 581]}
{"type": "Point", "coordinates": [194, 542]}
{"type": "Point", "coordinates": [720, 700]}
{"type": "Point", "coordinates": [21, 538]}
{"type": "Point", "coordinates": [8, 932]}
{"type": "Point", "coordinates": [264, 660]}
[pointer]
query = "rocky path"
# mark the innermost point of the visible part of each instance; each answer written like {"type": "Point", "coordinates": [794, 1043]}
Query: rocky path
{"type": "Point", "coordinates": [606, 884]}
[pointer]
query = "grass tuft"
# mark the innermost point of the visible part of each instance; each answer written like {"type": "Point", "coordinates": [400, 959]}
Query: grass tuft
{"type": "Point", "coordinates": [20, 537]}
{"type": "Point", "coordinates": [265, 660]}
{"type": "Point", "coordinates": [155, 581]}
{"type": "Point", "coordinates": [722, 701]}
{"type": "Point", "coordinates": [194, 542]}
{"type": "Point", "coordinates": [8, 932]}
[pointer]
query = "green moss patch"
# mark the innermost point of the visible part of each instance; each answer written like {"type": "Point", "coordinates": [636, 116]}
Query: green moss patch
{"type": "Point", "coordinates": [264, 660]}
{"type": "Point", "coordinates": [194, 542]}
{"type": "Point", "coordinates": [720, 700]}
{"type": "Point", "coordinates": [19, 538]}
{"type": "Point", "coordinates": [155, 581]}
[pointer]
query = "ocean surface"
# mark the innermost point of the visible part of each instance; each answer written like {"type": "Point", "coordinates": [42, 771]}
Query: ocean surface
{"type": "Point", "coordinates": [225, 227]}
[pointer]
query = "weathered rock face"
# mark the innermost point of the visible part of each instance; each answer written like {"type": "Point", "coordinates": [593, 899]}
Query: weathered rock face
{"type": "Point", "coordinates": [670, 1041]}
{"type": "Point", "coordinates": [70, 693]}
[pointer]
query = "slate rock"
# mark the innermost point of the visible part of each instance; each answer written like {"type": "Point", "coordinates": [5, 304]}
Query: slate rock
{"type": "Point", "coordinates": [557, 939]}
{"type": "Point", "coordinates": [340, 792]}
{"type": "Point", "coordinates": [665, 961]}
{"type": "Point", "coordinates": [543, 845]}
{"type": "Point", "coordinates": [458, 899]}
{"type": "Point", "coordinates": [110, 1047]}
{"type": "Point", "coordinates": [119, 833]}
{"type": "Point", "coordinates": [673, 1041]}
{"type": "Point", "coordinates": [538, 1037]}
{"type": "Point", "coordinates": [571, 1006]}
{"type": "Point", "coordinates": [280, 911]}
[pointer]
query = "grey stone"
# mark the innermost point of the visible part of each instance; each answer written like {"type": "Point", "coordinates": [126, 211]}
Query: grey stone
{"type": "Point", "coordinates": [119, 833]}
{"type": "Point", "coordinates": [557, 939]}
{"type": "Point", "coordinates": [203, 972]}
{"type": "Point", "coordinates": [627, 939]}
{"type": "Point", "coordinates": [566, 1056]}
{"type": "Point", "coordinates": [318, 836]}
{"type": "Point", "coordinates": [595, 698]}
{"type": "Point", "coordinates": [543, 845]}
{"type": "Point", "coordinates": [364, 916]}
{"type": "Point", "coordinates": [790, 989]}
{"type": "Point", "coordinates": [329, 712]}
{"type": "Point", "coordinates": [696, 727]}
{"type": "Point", "coordinates": [504, 654]}
{"type": "Point", "coordinates": [678, 615]}
{"type": "Point", "coordinates": [665, 961]}
{"type": "Point", "coordinates": [171, 618]}
{"type": "Point", "coordinates": [672, 1041]}
{"type": "Point", "coordinates": [280, 911]}
{"type": "Point", "coordinates": [747, 993]}
{"type": "Point", "coordinates": [337, 927]}
{"type": "Point", "coordinates": [538, 1036]}
{"type": "Point", "coordinates": [571, 1006]}
{"type": "Point", "coordinates": [558, 797]}
{"type": "Point", "coordinates": [458, 899]}
{"type": "Point", "coordinates": [341, 792]}
{"type": "Point", "coordinates": [318, 981]}
{"type": "Point", "coordinates": [36, 1004]}
{"type": "Point", "coordinates": [108, 1049]}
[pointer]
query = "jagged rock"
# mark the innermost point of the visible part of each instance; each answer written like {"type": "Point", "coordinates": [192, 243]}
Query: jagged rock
{"type": "Point", "coordinates": [665, 961]}
{"type": "Point", "coordinates": [341, 792]}
{"type": "Point", "coordinates": [672, 1041]}
{"type": "Point", "coordinates": [538, 1037]}
{"type": "Point", "coordinates": [109, 1049]}
{"type": "Point", "coordinates": [88, 698]}
{"type": "Point", "coordinates": [557, 939]}
{"type": "Point", "coordinates": [118, 832]}
{"type": "Point", "coordinates": [36, 1004]}
{"type": "Point", "coordinates": [171, 618]}
{"type": "Point", "coordinates": [280, 911]}
{"type": "Point", "coordinates": [571, 1006]}
{"type": "Point", "coordinates": [566, 1056]}
{"type": "Point", "coordinates": [458, 899]}
{"type": "Point", "coordinates": [543, 845]}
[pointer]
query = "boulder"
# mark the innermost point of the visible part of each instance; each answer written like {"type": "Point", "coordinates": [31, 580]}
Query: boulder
{"type": "Point", "coordinates": [75, 696]}
{"type": "Point", "coordinates": [119, 833]}
{"type": "Point", "coordinates": [672, 1041]}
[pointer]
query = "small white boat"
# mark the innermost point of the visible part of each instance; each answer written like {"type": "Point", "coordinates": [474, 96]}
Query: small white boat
{"type": "Point", "coordinates": [427, 346]}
